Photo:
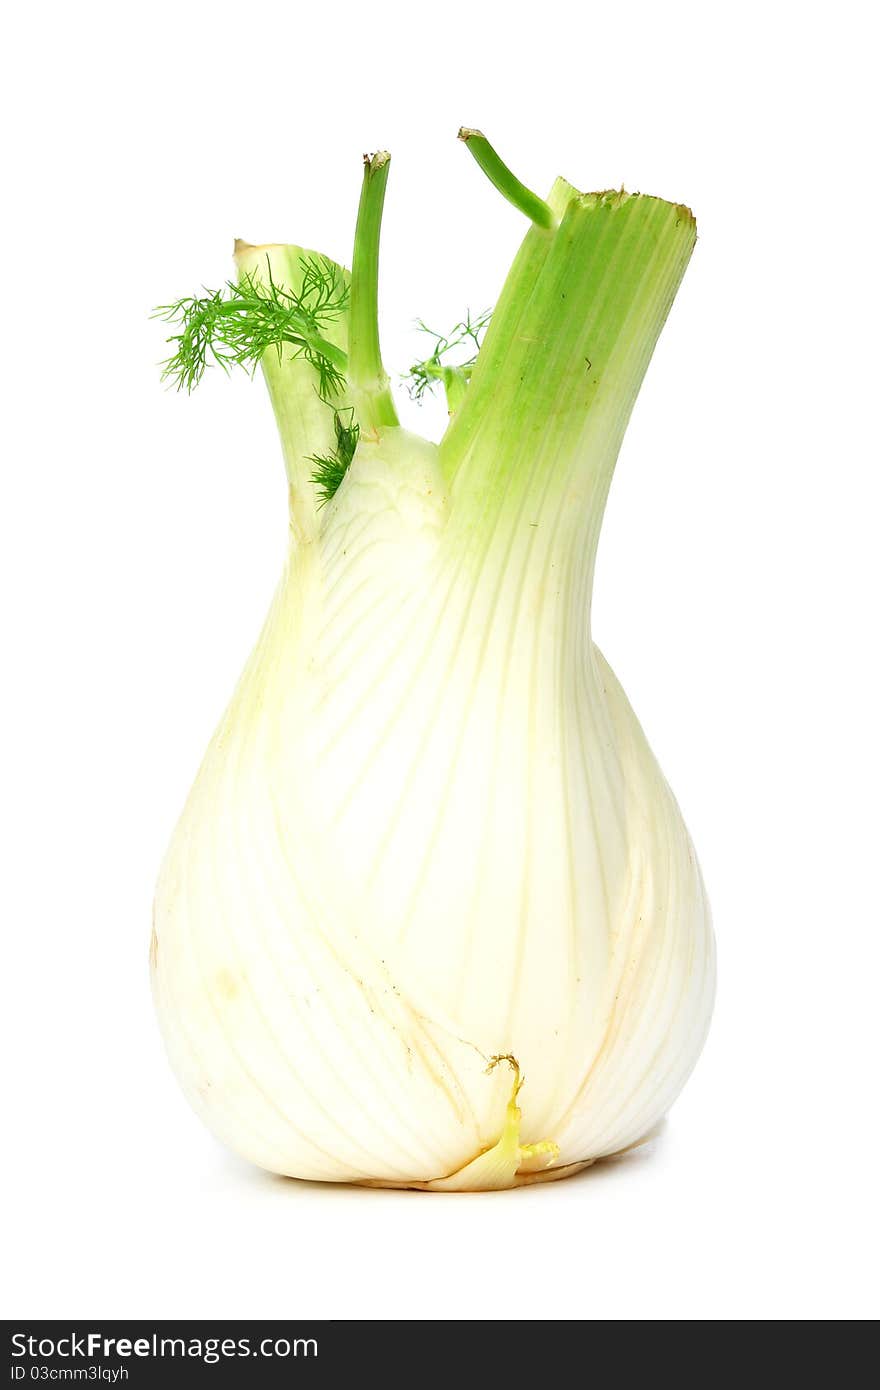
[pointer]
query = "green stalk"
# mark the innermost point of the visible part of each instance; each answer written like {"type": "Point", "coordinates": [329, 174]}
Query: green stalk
{"type": "Point", "coordinates": [368, 383]}
{"type": "Point", "coordinates": [537, 435]}
{"type": "Point", "coordinates": [505, 180]}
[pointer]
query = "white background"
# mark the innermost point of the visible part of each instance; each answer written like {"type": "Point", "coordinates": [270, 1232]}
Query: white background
{"type": "Point", "coordinates": [736, 596]}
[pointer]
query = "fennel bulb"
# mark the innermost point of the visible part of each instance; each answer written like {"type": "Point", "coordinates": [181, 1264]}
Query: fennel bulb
{"type": "Point", "coordinates": [431, 916]}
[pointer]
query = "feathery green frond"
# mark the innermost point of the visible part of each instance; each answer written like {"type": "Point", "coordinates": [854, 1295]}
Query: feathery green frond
{"type": "Point", "coordinates": [462, 341]}
{"type": "Point", "coordinates": [234, 326]}
{"type": "Point", "coordinates": [330, 469]}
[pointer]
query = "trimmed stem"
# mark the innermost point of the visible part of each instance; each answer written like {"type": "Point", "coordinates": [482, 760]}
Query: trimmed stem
{"type": "Point", "coordinates": [532, 449]}
{"type": "Point", "coordinates": [368, 381]}
{"type": "Point", "coordinates": [454, 381]}
{"type": "Point", "coordinates": [455, 384]}
{"type": "Point", "coordinates": [505, 180]}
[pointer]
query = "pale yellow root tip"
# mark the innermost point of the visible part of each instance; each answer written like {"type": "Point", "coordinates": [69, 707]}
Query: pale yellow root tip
{"type": "Point", "coordinates": [507, 1159]}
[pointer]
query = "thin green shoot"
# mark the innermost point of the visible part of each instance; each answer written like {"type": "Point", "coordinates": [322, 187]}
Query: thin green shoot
{"type": "Point", "coordinates": [505, 180]}
{"type": "Point", "coordinates": [367, 379]}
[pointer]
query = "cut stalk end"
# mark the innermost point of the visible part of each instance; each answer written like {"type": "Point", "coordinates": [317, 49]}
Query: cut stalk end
{"type": "Point", "coordinates": [374, 162]}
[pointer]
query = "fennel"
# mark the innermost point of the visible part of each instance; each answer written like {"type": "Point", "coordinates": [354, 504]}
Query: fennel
{"type": "Point", "coordinates": [431, 917]}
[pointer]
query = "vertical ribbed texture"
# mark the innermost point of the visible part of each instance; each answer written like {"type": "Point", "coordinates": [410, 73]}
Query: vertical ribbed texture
{"type": "Point", "coordinates": [562, 364]}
